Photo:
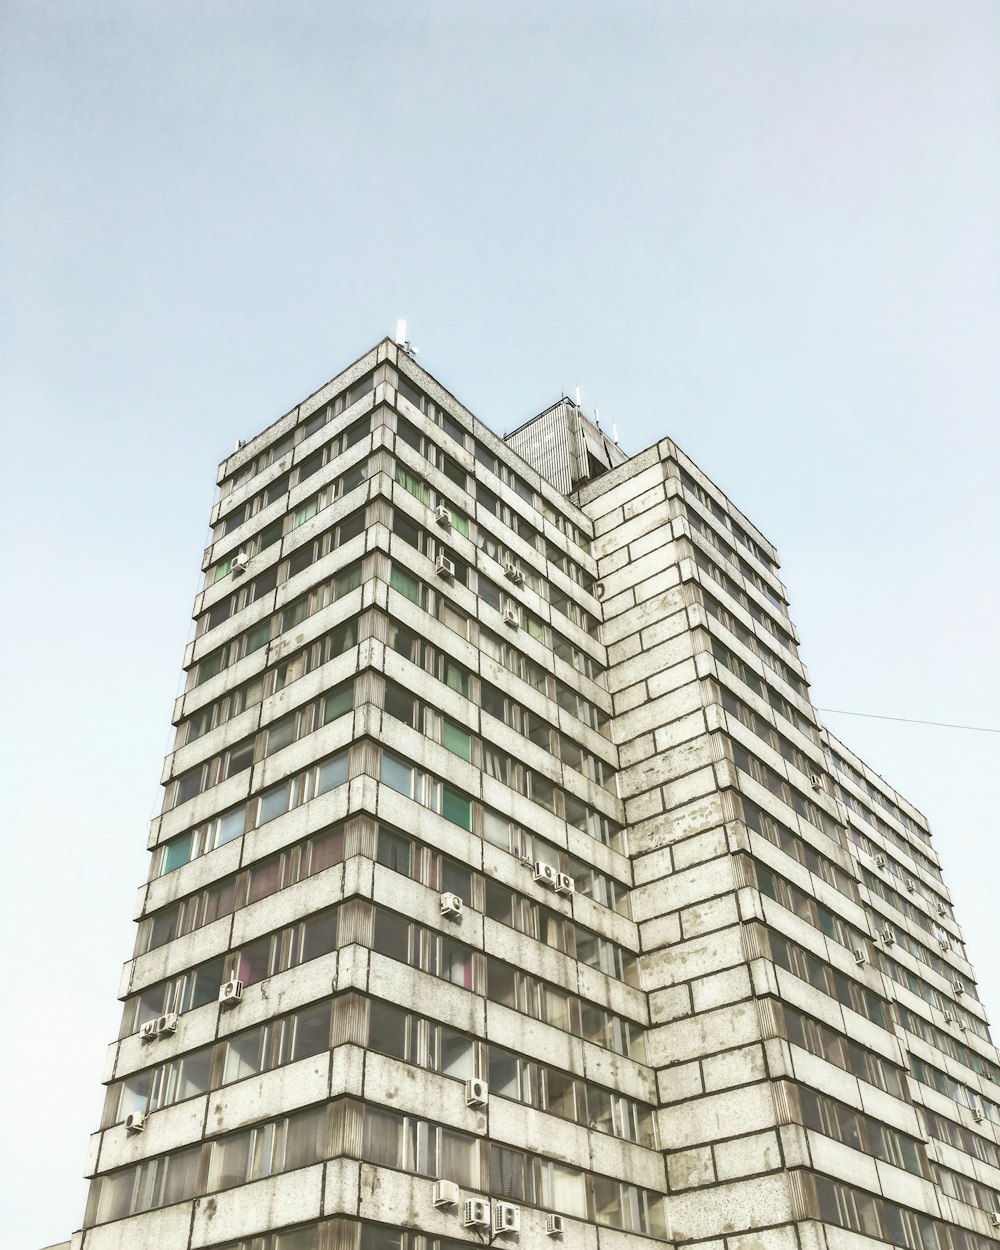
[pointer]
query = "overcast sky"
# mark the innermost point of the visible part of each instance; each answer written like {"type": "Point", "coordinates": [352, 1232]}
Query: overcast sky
{"type": "Point", "coordinates": [766, 229]}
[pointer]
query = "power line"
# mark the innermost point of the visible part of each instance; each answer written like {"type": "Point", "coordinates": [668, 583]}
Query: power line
{"type": "Point", "coordinates": [909, 720]}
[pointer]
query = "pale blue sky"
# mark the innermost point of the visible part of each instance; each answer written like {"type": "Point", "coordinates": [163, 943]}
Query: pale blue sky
{"type": "Point", "coordinates": [768, 230]}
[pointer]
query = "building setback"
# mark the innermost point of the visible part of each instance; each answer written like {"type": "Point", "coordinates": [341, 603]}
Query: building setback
{"type": "Point", "coordinates": [507, 887]}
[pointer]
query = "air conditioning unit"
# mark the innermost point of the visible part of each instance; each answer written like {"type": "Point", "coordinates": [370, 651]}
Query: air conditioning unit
{"type": "Point", "coordinates": [231, 992]}
{"type": "Point", "coordinates": [977, 1114]}
{"type": "Point", "coordinates": [879, 861]}
{"type": "Point", "coordinates": [477, 1213]}
{"type": "Point", "coordinates": [506, 1217]}
{"type": "Point", "coordinates": [995, 1219]}
{"type": "Point", "coordinates": [442, 516]}
{"type": "Point", "coordinates": [949, 1018]}
{"type": "Point", "coordinates": [135, 1122]}
{"type": "Point", "coordinates": [451, 905]}
{"type": "Point", "coordinates": [555, 1225]}
{"type": "Point", "coordinates": [941, 909]}
{"type": "Point", "coordinates": [444, 568]}
{"type": "Point", "coordinates": [887, 935]}
{"type": "Point", "coordinates": [167, 1023]}
{"type": "Point", "coordinates": [150, 1031]}
{"type": "Point", "coordinates": [565, 883]}
{"type": "Point", "coordinates": [513, 573]}
{"type": "Point", "coordinates": [240, 562]}
{"type": "Point", "coordinates": [911, 885]}
{"type": "Point", "coordinates": [958, 987]}
{"type": "Point", "coordinates": [445, 1194]}
{"type": "Point", "coordinates": [477, 1092]}
{"type": "Point", "coordinates": [816, 781]}
{"type": "Point", "coordinates": [544, 873]}
{"type": "Point", "coordinates": [860, 955]}
{"type": "Point", "coordinates": [510, 618]}
{"type": "Point", "coordinates": [944, 944]}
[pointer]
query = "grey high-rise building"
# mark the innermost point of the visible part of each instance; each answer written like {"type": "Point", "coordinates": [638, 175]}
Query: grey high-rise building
{"type": "Point", "coordinates": [507, 887]}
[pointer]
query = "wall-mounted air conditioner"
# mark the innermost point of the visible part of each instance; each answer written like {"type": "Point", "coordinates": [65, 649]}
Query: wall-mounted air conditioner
{"type": "Point", "coordinates": [167, 1024]}
{"type": "Point", "coordinates": [451, 905]}
{"type": "Point", "coordinates": [555, 1225]}
{"type": "Point", "coordinates": [506, 1217]}
{"type": "Point", "coordinates": [231, 992]}
{"type": "Point", "coordinates": [135, 1122]}
{"type": "Point", "coordinates": [477, 1092]}
{"type": "Point", "coordinates": [444, 567]}
{"type": "Point", "coordinates": [240, 562]}
{"type": "Point", "coordinates": [544, 873]}
{"type": "Point", "coordinates": [565, 883]}
{"type": "Point", "coordinates": [887, 935]}
{"type": "Point", "coordinates": [477, 1213]}
{"type": "Point", "coordinates": [510, 618]}
{"type": "Point", "coordinates": [442, 516]}
{"type": "Point", "coordinates": [445, 1194]}
{"type": "Point", "coordinates": [513, 573]}
{"type": "Point", "coordinates": [149, 1031]}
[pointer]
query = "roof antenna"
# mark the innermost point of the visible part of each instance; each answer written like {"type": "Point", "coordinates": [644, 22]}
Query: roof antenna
{"type": "Point", "coordinates": [614, 433]}
{"type": "Point", "coordinates": [402, 341]}
{"type": "Point", "coordinates": [579, 396]}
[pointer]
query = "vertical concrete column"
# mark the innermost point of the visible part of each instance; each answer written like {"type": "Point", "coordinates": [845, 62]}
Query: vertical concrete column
{"type": "Point", "coordinates": [718, 1122]}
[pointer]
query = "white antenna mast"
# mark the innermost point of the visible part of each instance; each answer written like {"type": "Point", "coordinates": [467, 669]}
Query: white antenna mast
{"type": "Point", "coordinates": [402, 341]}
{"type": "Point", "coordinates": [579, 396]}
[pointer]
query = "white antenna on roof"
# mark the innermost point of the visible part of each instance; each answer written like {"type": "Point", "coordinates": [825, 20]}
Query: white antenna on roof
{"type": "Point", "coordinates": [614, 433]}
{"type": "Point", "coordinates": [579, 396]}
{"type": "Point", "coordinates": [402, 341]}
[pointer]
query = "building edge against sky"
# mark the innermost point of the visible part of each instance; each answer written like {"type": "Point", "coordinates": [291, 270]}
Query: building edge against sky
{"type": "Point", "coordinates": [507, 884]}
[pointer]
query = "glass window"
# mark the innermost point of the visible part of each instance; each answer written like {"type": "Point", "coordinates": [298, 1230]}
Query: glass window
{"type": "Point", "coordinates": [387, 1029]}
{"type": "Point", "coordinates": [258, 637]}
{"type": "Point", "coordinates": [395, 851]}
{"type": "Point", "coordinates": [454, 471]}
{"type": "Point", "coordinates": [458, 1157]}
{"type": "Point", "coordinates": [281, 733]}
{"type": "Point", "coordinates": [319, 935]}
{"type": "Point", "coordinates": [255, 961]}
{"type": "Point", "coordinates": [457, 1054]}
{"type": "Point", "coordinates": [351, 527]}
{"type": "Point", "coordinates": [305, 511]}
{"type": "Point", "coordinates": [307, 1139]}
{"type": "Point", "coordinates": [400, 704]}
{"type": "Point", "coordinates": [230, 1160]}
{"type": "Point", "coordinates": [392, 935]}
{"type": "Point", "coordinates": [178, 852]}
{"type": "Point", "coordinates": [457, 808]}
{"type": "Point", "coordinates": [561, 1188]}
{"type": "Point", "coordinates": [397, 774]}
{"type": "Point", "coordinates": [338, 703]}
{"type": "Point", "coordinates": [326, 849]}
{"type": "Point", "coordinates": [273, 803]}
{"type": "Point", "coordinates": [405, 583]}
{"type": "Point", "coordinates": [382, 1138]}
{"type": "Point", "coordinates": [332, 772]}
{"type": "Point", "coordinates": [270, 535]}
{"type": "Point", "coordinates": [456, 677]}
{"type": "Point", "coordinates": [244, 1055]}
{"type": "Point", "coordinates": [457, 739]}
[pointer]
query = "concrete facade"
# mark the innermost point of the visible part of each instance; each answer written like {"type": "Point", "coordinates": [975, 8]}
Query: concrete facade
{"type": "Point", "coordinates": [507, 886]}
